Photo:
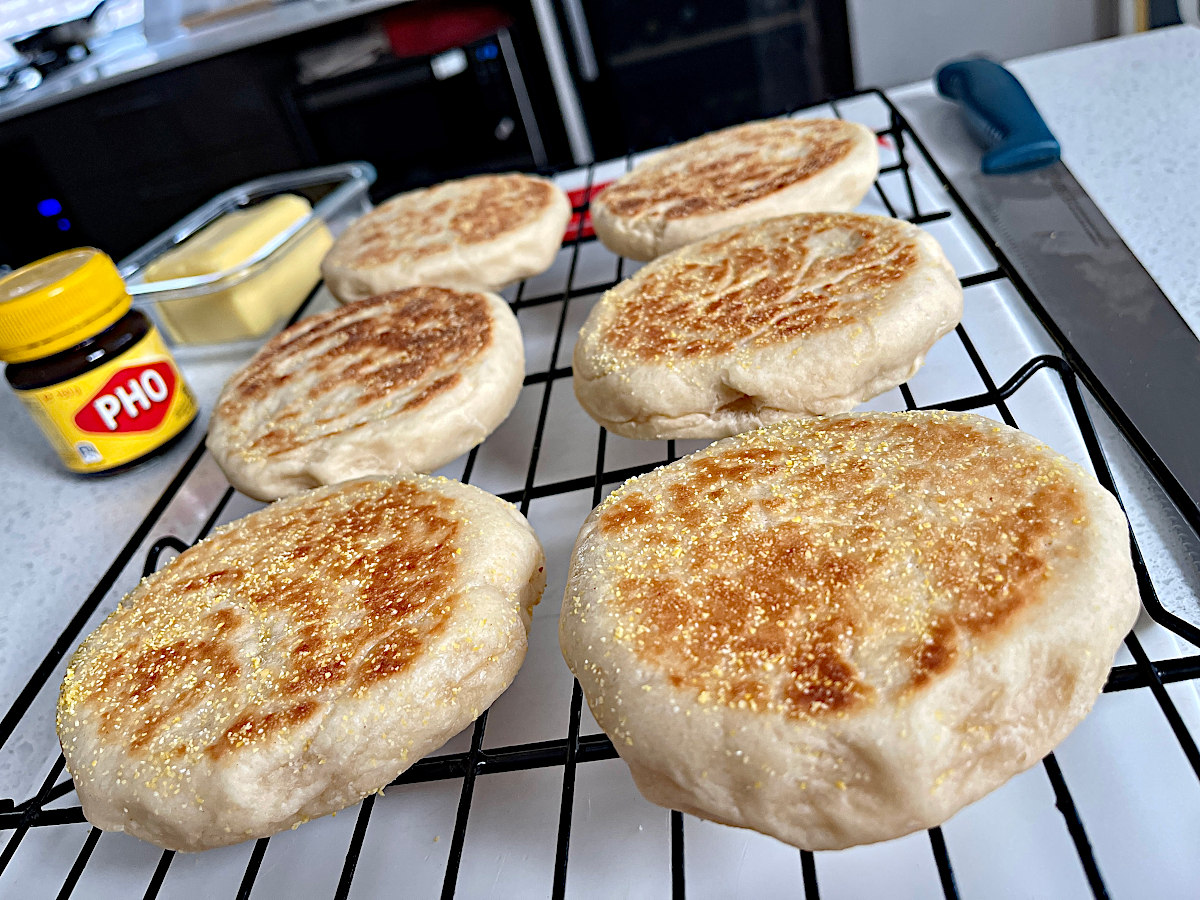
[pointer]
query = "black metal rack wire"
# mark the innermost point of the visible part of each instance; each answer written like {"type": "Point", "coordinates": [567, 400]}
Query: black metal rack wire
{"type": "Point", "coordinates": [19, 817]}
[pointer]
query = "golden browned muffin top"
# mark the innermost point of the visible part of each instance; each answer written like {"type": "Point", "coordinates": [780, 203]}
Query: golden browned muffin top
{"type": "Point", "coordinates": [816, 565]}
{"type": "Point", "coordinates": [435, 220]}
{"type": "Point", "coordinates": [768, 282]}
{"type": "Point", "coordinates": [729, 168]}
{"type": "Point", "coordinates": [328, 373]}
{"type": "Point", "coordinates": [254, 630]}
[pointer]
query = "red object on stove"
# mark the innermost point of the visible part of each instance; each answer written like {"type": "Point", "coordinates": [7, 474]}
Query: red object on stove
{"type": "Point", "coordinates": [428, 29]}
{"type": "Point", "coordinates": [581, 223]}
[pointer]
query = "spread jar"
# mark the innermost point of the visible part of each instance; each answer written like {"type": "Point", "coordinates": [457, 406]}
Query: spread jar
{"type": "Point", "coordinates": [93, 372]}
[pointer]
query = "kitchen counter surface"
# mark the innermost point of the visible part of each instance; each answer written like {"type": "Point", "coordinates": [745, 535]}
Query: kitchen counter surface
{"type": "Point", "coordinates": [126, 56]}
{"type": "Point", "coordinates": [1128, 115]}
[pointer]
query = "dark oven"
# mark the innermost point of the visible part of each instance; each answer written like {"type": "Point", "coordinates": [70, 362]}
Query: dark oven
{"type": "Point", "coordinates": [426, 119]}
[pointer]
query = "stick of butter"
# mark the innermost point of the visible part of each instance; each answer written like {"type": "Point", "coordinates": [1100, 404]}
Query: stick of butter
{"type": "Point", "coordinates": [249, 308]}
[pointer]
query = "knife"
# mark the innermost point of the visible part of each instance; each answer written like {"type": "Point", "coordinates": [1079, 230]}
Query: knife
{"type": "Point", "coordinates": [1111, 320]}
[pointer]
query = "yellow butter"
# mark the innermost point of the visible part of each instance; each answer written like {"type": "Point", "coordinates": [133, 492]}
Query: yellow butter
{"type": "Point", "coordinates": [249, 308]}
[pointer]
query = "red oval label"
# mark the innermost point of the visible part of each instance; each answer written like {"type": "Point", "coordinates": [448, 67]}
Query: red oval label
{"type": "Point", "coordinates": [134, 399]}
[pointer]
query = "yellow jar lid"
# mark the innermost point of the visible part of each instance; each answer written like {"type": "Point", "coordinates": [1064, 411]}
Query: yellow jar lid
{"type": "Point", "coordinates": [56, 302]}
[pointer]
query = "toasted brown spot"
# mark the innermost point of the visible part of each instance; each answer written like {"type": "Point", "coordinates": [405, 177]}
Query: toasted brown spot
{"type": "Point", "coordinates": [729, 168]}
{"type": "Point", "coordinates": [822, 681]}
{"type": "Point", "coordinates": [814, 566]}
{"type": "Point", "coordinates": [314, 601]}
{"type": "Point", "coordinates": [765, 283]}
{"type": "Point", "coordinates": [935, 653]}
{"type": "Point", "coordinates": [438, 387]}
{"type": "Point", "coordinates": [256, 726]}
{"type": "Point", "coordinates": [432, 248]}
{"type": "Point", "coordinates": [338, 370]}
{"type": "Point", "coordinates": [633, 514]}
{"type": "Point", "coordinates": [502, 203]}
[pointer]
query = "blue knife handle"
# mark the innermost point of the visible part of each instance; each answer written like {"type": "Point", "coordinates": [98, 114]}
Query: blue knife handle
{"type": "Point", "coordinates": [999, 114]}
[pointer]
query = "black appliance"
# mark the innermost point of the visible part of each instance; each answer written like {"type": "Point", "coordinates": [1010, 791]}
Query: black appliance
{"type": "Point", "coordinates": [423, 120]}
{"type": "Point", "coordinates": [651, 72]}
{"type": "Point", "coordinates": [38, 217]}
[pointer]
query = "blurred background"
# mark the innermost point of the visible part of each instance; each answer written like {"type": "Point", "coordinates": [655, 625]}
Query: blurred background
{"type": "Point", "coordinates": [118, 118]}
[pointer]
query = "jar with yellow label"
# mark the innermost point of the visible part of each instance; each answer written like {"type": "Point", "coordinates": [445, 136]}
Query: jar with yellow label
{"type": "Point", "coordinates": [93, 372]}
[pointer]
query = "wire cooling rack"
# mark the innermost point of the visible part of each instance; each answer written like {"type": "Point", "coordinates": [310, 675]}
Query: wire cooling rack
{"type": "Point", "coordinates": [531, 802]}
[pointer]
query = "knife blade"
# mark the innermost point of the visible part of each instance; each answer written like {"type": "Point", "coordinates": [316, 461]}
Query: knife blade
{"type": "Point", "coordinates": [1113, 322]}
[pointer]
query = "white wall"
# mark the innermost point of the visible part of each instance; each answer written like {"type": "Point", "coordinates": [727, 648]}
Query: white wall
{"type": "Point", "coordinates": [901, 41]}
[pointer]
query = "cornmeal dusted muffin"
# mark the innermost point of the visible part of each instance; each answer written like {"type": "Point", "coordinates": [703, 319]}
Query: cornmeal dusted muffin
{"type": "Point", "coordinates": [800, 315]}
{"type": "Point", "coordinates": [736, 175]}
{"type": "Point", "coordinates": [298, 660]}
{"type": "Point", "coordinates": [403, 382]}
{"type": "Point", "coordinates": [838, 631]}
{"type": "Point", "coordinates": [477, 234]}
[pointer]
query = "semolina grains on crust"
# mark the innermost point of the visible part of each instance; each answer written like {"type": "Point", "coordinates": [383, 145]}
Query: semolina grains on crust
{"type": "Point", "coordinates": [839, 631]}
{"type": "Point", "coordinates": [298, 659]}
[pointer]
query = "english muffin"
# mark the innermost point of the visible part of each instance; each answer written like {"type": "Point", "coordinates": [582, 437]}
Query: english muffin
{"type": "Point", "coordinates": [403, 382]}
{"type": "Point", "coordinates": [476, 234]}
{"type": "Point", "coordinates": [799, 315]}
{"type": "Point", "coordinates": [298, 660]}
{"type": "Point", "coordinates": [839, 631]}
{"type": "Point", "coordinates": [740, 174]}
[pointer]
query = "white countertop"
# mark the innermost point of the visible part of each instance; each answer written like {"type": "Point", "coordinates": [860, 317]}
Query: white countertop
{"type": "Point", "coordinates": [1127, 114]}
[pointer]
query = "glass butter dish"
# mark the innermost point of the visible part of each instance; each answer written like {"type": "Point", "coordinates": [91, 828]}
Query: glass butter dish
{"type": "Point", "coordinates": [243, 262]}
